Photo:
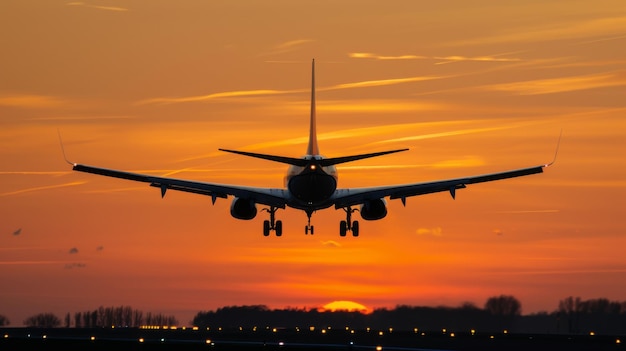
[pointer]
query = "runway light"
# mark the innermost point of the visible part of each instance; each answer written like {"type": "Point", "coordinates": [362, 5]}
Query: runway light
{"type": "Point", "coordinates": [505, 331]}
{"type": "Point", "coordinates": [415, 330]}
{"type": "Point", "coordinates": [473, 331]}
{"type": "Point", "coordinates": [380, 333]}
{"type": "Point", "coordinates": [379, 348]}
{"type": "Point", "coordinates": [207, 341]}
{"type": "Point", "coordinates": [92, 338]}
{"type": "Point", "coordinates": [6, 336]}
{"type": "Point", "coordinates": [194, 328]}
{"type": "Point", "coordinates": [591, 333]}
{"type": "Point", "coordinates": [618, 341]}
{"type": "Point", "coordinates": [451, 335]}
{"type": "Point", "coordinates": [323, 331]}
{"type": "Point", "coordinates": [311, 328]}
{"type": "Point", "coordinates": [141, 340]}
{"type": "Point", "coordinates": [44, 336]}
{"type": "Point", "coordinates": [491, 337]}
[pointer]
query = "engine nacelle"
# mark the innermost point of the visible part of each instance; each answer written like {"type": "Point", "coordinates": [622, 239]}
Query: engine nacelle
{"type": "Point", "coordinates": [374, 209]}
{"type": "Point", "coordinates": [243, 208]}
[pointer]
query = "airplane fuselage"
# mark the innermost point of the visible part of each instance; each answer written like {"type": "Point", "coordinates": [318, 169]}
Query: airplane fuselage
{"type": "Point", "coordinates": [312, 186]}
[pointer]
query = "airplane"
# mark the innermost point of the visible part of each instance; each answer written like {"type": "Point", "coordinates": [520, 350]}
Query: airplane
{"type": "Point", "coordinates": [310, 185]}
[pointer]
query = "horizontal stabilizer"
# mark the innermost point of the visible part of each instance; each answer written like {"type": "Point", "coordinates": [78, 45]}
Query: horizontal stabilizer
{"type": "Point", "coordinates": [337, 160]}
{"type": "Point", "coordinates": [301, 162]}
{"type": "Point", "coordinates": [288, 160]}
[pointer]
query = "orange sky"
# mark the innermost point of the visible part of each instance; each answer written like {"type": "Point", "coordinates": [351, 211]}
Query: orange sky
{"type": "Point", "coordinates": [158, 86]}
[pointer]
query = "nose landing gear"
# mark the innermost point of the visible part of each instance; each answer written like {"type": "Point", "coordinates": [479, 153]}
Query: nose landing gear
{"type": "Point", "coordinates": [309, 228]}
{"type": "Point", "coordinates": [348, 225]}
{"type": "Point", "coordinates": [272, 223]}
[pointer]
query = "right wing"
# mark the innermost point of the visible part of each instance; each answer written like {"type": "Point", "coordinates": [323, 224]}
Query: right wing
{"type": "Point", "coordinates": [357, 196]}
{"type": "Point", "coordinates": [267, 196]}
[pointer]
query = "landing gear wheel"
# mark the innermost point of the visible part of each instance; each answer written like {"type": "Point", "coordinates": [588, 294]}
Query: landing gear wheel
{"type": "Point", "coordinates": [343, 228]}
{"type": "Point", "coordinates": [355, 228]}
{"type": "Point", "coordinates": [347, 225]}
{"type": "Point", "coordinates": [272, 223]}
{"type": "Point", "coordinates": [266, 228]}
{"type": "Point", "coordinates": [279, 228]}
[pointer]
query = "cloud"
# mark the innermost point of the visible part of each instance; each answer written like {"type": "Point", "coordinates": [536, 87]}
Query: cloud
{"type": "Point", "coordinates": [227, 94]}
{"type": "Point", "coordinates": [99, 7]}
{"type": "Point", "coordinates": [498, 232]}
{"type": "Point", "coordinates": [271, 92]}
{"type": "Point", "coordinates": [73, 251]}
{"type": "Point", "coordinates": [380, 82]}
{"type": "Point", "coordinates": [442, 59]}
{"type": "Point", "coordinates": [578, 29]}
{"type": "Point", "coordinates": [42, 188]}
{"type": "Point", "coordinates": [331, 243]}
{"type": "Point", "coordinates": [32, 101]}
{"type": "Point", "coordinates": [560, 85]}
{"type": "Point", "coordinates": [437, 231]}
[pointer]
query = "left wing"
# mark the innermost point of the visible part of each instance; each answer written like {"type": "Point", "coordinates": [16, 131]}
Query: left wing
{"type": "Point", "coordinates": [357, 196]}
{"type": "Point", "coordinates": [266, 196]}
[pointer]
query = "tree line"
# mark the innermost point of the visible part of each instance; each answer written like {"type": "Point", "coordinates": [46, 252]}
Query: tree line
{"type": "Point", "coordinates": [121, 316]}
{"type": "Point", "coordinates": [504, 312]}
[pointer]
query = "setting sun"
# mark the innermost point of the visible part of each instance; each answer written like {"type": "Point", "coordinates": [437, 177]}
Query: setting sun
{"type": "Point", "coordinates": [349, 306]}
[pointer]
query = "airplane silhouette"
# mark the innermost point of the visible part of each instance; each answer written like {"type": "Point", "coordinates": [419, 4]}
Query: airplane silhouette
{"type": "Point", "coordinates": [310, 185]}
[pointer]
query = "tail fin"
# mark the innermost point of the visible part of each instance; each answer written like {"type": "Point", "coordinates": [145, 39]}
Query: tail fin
{"type": "Point", "coordinates": [313, 149]}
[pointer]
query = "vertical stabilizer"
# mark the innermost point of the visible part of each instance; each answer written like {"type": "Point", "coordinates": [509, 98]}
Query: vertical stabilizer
{"type": "Point", "coordinates": [313, 149]}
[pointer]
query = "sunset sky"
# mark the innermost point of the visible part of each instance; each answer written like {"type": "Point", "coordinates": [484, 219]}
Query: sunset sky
{"type": "Point", "coordinates": [156, 86]}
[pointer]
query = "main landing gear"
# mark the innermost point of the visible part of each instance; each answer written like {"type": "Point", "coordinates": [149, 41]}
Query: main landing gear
{"type": "Point", "coordinates": [348, 225]}
{"type": "Point", "coordinates": [272, 224]}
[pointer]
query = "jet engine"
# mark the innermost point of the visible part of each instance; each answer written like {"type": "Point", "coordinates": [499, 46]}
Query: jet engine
{"type": "Point", "coordinates": [374, 209]}
{"type": "Point", "coordinates": [243, 208]}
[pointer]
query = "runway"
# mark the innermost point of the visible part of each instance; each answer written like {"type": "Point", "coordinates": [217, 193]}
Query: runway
{"type": "Point", "coordinates": [113, 339]}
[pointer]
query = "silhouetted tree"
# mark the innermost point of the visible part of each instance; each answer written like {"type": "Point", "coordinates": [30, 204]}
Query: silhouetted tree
{"type": "Point", "coordinates": [503, 305]}
{"type": "Point", "coordinates": [4, 321]}
{"type": "Point", "coordinates": [43, 320]}
{"type": "Point", "coordinates": [77, 320]}
{"type": "Point", "coordinates": [570, 308]}
{"type": "Point", "coordinates": [67, 320]}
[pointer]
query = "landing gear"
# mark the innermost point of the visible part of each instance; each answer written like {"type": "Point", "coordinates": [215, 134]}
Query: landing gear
{"type": "Point", "coordinates": [348, 225]}
{"type": "Point", "coordinates": [272, 223]}
{"type": "Point", "coordinates": [309, 228]}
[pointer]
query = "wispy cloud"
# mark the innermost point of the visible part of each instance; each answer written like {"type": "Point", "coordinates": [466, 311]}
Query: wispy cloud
{"type": "Point", "coordinates": [227, 94]}
{"type": "Point", "coordinates": [441, 59]}
{"type": "Point", "coordinates": [331, 243]}
{"type": "Point", "coordinates": [270, 92]}
{"type": "Point", "coordinates": [380, 82]}
{"type": "Point", "coordinates": [32, 101]}
{"type": "Point", "coordinates": [39, 188]}
{"type": "Point", "coordinates": [437, 231]}
{"type": "Point", "coordinates": [563, 84]}
{"type": "Point", "coordinates": [613, 26]}
{"type": "Point", "coordinates": [99, 7]}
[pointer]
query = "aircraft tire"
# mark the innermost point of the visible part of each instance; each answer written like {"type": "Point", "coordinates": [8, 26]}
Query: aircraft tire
{"type": "Point", "coordinates": [266, 228]}
{"type": "Point", "coordinates": [343, 228]}
{"type": "Point", "coordinates": [279, 228]}
{"type": "Point", "coordinates": [355, 228]}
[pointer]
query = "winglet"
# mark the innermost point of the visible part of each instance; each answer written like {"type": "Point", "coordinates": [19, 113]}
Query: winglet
{"type": "Point", "coordinates": [63, 150]}
{"type": "Point", "coordinates": [558, 143]}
